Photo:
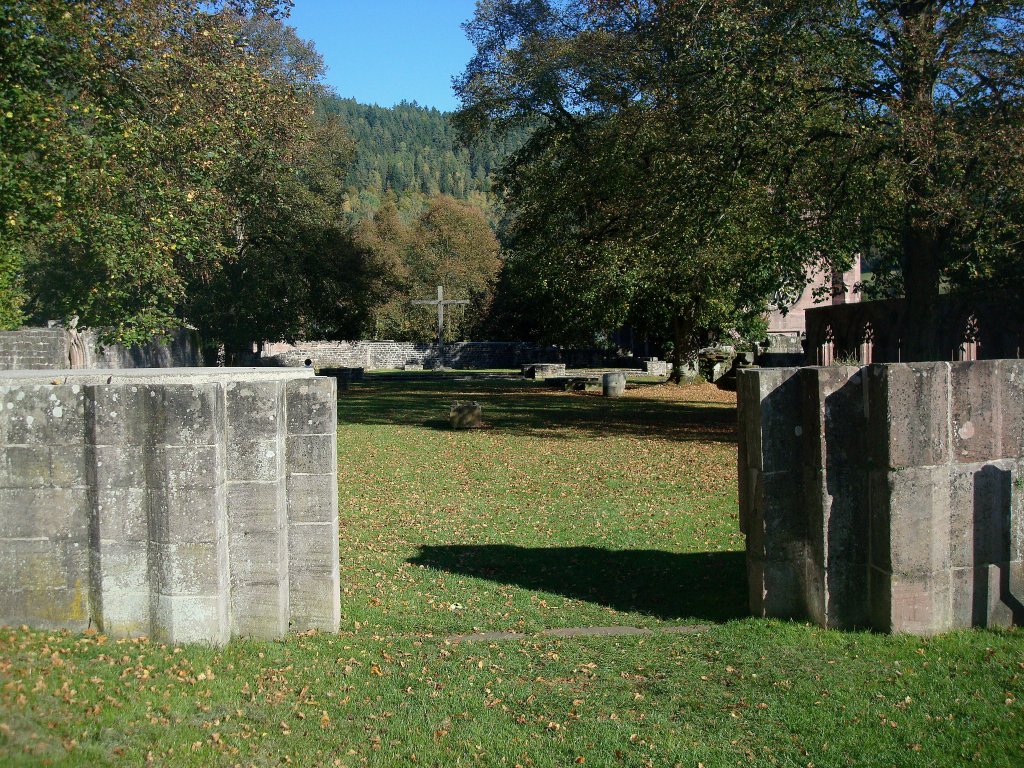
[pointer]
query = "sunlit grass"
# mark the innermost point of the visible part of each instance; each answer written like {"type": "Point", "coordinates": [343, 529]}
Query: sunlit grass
{"type": "Point", "coordinates": [566, 510]}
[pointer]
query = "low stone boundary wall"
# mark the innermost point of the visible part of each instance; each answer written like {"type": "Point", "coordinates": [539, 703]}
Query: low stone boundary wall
{"type": "Point", "coordinates": [888, 496]}
{"type": "Point", "coordinates": [51, 349]}
{"type": "Point", "coordinates": [189, 505]}
{"type": "Point", "coordinates": [33, 348]}
{"type": "Point", "coordinates": [395, 355]}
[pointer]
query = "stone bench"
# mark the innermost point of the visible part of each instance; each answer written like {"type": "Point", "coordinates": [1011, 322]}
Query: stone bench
{"type": "Point", "coordinates": [575, 383]}
{"type": "Point", "coordinates": [190, 505]}
{"type": "Point", "coordinates": [542, 371]}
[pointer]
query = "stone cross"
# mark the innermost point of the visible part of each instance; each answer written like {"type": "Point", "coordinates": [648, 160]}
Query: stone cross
{"type": "Point", "coordinates": [441, 303]}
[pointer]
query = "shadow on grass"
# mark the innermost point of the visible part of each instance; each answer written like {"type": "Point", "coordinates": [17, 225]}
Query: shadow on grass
{"type": "Point", "coordinates": [527, 409]}
{"type": "Point", "coordinates": [708, 586]}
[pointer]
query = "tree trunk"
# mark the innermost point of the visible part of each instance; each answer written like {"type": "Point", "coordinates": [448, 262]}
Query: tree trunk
{"type": "Point", "coordinates": [680, 347]}
{"type": "Point", "coordinates": [921, 287]}
{"type": "Point", "coordinates": [677, 351]}
{"type": "Point", "coordinates": [921, 259]}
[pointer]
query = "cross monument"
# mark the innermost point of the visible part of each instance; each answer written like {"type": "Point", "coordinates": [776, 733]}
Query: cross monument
{"type": "Point", "coordinates": [441, 303]}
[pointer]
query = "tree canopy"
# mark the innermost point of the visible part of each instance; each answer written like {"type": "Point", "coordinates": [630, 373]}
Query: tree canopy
{"type": "Point", "coordinates": [408, 153]}
{"type": "Point", "coordinates": [449, 244]}
{"type": "Point", "coordinates": [163, 164]}
{"type": "Point", "coordinates": [692, 159]}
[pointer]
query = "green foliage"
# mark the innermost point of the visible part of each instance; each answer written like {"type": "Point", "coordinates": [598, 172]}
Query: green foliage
{"type": "Point", "coordinates": [411, 153]}
{"type": "Point", "coordinates": [932, 98]}
{"type": "Point", "coordinates": [449, 244]}
{"type": "Point", "coordinates": [167, 168]}
{"type": "Point", "coordinates": [647, 195]}
{"type": "Point", "coordinates": [693, 159]}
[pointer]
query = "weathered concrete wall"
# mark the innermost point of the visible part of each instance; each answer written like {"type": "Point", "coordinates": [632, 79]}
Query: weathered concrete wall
{"type": "Point", "coordinates": [50, 349]}
{"type": "Point", "coordinates": [188, 504]}
{"type": "Point", "coordinates": [386, 355]}
{"type": "Point", "coordinates": [888, 496]}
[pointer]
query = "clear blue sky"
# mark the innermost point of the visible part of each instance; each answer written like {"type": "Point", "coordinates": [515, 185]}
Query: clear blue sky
{"type": "Point", "coordinates": [384, 51]}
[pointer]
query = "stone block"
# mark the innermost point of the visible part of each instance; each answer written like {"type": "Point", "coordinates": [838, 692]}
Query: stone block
{"type": "Point", "coordinates": [770, 408]}
{"type": "Point", "coordinates": [312, 547]}
{"type": "Point", "coordinates": [122, 414]}
{"type": "Point", "coordinates": [260, 460]}
{"type": "Point", "coordinates": [908, 415]}
{"type": "Point", "coordinates": [255, 507]}
{"type": "Point", "coordinates": [184, 466]}
{"type": "Point", "coordinates": [259, 611]}
{"type": "Point", "coordinates": [188, 569]}
{"type": "Point", "coordinates": [313, 498]}
{"type": "Point", "coordinates": [919, 604]}
{"type": "Point", "coordinates": [833, 416]}
{"type": "Point", "coordinates": [259, 583]}
{"type": "Point", "coordinates": [312, 406]}
{"type": "Point", "coordinates": [312, 454]}
{"type": "Point", "coordinates": [35, 414]}
{"type": "Point", "coordinates": [465, 415]}
{"type": "Point", "coordinates": [25, 466]}
{"type": "Point", "coordinates": [837, 546]}
{"type": "Point", "coordinates": [777, 523]}
{"type": "Point", "coordinates": [255, 410]}
{"type": "Point", "coordinates": [121, 580]}
{"type": "Point", "coordinates": [314, 601]}
{"type": "Point", "coordinates": [314, 590]}
{"type": "Point", "coordinates": [187, 515]}
{"type": "Point", "coordinates": [119, 466]}
{"type": "Point", "coordinates": [190, 414]}
{"type": "Point", "coordinates": [988, 595]}
{"type": "Point", "coordinates": [776, 588]}
{"type": "Point", "coordinates": [121, 514]}
{"type": "Point", "coordinates": [259, 557]}
{"type": "Point", "coordinates": [1017, 512]}
{"type": "Point", "coordinates": [48, 581]}
{"type": "Point", "coordinates": [613, 384]}
{"type": "Point", "coordinates": [52, 513]}
{"type": "Point", "coordinates": [128, 615]}
{"type": "Point", "coordinates": [745, 479]}
{"type": "Point", "coordinates": [981, 520]}
{"type": "Point", "coordinates": [911, 511]}
{"type": "Point", "coordinates": [71, 466]}
{"type": "Point", "coordinates": [179, 619]}
{"type": "Point", "coordinates": [1011, 401]}
{"type": "Point", "coordinates": [542, 371]}
{"type": "Point", "coordinates": [976, 423]}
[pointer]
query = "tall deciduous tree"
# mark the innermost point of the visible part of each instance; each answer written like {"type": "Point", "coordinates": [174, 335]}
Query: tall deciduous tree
{"type": "Point", "coordinates": [178, 172]}
{"type": "Point", "coordinates": [939, 100]}
{"type": "Point", "coordinates": [693, 158]}
{"type": "Point", "coordinates": [449, 244]}
{"type": "Point", "coordinates": [645, 195]}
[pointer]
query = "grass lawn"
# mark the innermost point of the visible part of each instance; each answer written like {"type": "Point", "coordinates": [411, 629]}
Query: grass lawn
{"type": "Point", "coordinates": [567, 510]}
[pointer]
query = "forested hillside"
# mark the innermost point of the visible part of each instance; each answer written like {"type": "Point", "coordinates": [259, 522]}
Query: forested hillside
{"type": "Point", "coordinates": [413, 153]}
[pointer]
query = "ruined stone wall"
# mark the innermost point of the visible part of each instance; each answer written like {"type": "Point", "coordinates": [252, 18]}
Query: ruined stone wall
{"type": "Point", "coordinates": [49, 349]}
{"type": "Point", "coordinates": [387, 355]}
{"type": "Point", "coordinates": [33, 349]}
{"type": "Point", "coordinates": [888, 496]}
{"type": "Point", "coordinates": [188, 505]}
{"type": "Point", "coordinates": [181, 349]}
{"type": "Point", "coordinates": [874, 331]}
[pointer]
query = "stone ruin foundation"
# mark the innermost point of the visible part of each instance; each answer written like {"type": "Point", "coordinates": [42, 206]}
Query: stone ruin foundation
{"type": "Point", "coordinates": [889, 496]}
{"type": "Point", "coordinates": [190, 505]}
